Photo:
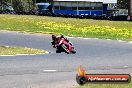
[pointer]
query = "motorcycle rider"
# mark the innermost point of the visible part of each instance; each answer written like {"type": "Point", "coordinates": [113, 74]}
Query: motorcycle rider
{"type": "Point", "coordinates": [56, 39]}
{"type": "Point", "coordinates": [57, 42]}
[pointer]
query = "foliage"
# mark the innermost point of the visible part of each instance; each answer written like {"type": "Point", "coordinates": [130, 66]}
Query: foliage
{"type": "Point", "coordinates": [19, 50]}
{"type": "Point", "coordinates": [122, 4]}
{"type": "Point", "coordinates": [120, 85]}
{"type": "Point", "coordinates": [20, 5]}
{"type": "Point", "coordinates": [67, 26]}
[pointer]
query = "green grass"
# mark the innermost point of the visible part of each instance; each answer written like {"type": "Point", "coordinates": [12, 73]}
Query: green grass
{"type": "Point", "coordinates": [107, 86]}
{"type": "Point", "coordinates": [19, 50]}
{"type": "Point", "coordinates": [67, 26]}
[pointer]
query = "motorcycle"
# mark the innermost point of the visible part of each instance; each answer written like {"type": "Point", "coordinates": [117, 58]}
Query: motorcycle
{"type": "Point", "coordinates": [63, 45]}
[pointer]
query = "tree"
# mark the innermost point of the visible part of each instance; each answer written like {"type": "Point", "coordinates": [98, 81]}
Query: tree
{"type": "Point", "coordinates": [24, 5]}
{"type": "Point", "coordinates": [122, 4]}
{"type": "Point", "coordinates": [18, 5]}
{"type": "Point", "coordinates": [130, 7]}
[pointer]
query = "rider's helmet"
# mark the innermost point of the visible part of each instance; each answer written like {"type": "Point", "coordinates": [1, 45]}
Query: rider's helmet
{"type": "Point", "coordinates": [62, 36]}
{"type": "Point", "coordinates": [53, 37]}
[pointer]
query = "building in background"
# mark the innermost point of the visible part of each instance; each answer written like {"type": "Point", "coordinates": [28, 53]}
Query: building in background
{"type": "Point", "coordinates": [82, 7]}
{"type": "Point", "coordinates": [78, 7]}
{"type": "Point", "coordinates": [44, 8]}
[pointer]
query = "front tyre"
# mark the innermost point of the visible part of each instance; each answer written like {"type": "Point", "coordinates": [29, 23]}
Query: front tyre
{"type": "Point", "coordinates": [73, 51]}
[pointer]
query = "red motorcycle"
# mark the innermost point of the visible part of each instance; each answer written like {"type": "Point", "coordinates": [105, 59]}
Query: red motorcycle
{"type": "Point", "coordinates": [63, 45]}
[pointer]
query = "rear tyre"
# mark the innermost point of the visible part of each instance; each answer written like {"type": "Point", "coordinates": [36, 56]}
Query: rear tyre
{"type": "Point", "coordinates": [73, 51]}
{"type": "Point", "coordinates": [65, 48]}
{"type": "Point", "coordinates": [58, 51]}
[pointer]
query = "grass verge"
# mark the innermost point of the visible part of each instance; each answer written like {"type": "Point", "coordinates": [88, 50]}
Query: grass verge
{"type": "Point", "coordinates": [67, 26]}
{"type": "Point", "coordinates": [129, 85]}
{"type": "Point", "coordinates": [19, 50]}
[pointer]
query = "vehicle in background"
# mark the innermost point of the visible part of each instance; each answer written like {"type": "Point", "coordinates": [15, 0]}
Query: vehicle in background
{"type": "Point", "coordinates": [7, 9]}
{"type": "Point", "coordinates": [43, 8]}
{"type": "Point", "coordinates": [97, 9]}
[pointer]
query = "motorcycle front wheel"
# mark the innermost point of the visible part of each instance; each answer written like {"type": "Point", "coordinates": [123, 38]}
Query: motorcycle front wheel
{"type": "Point", "coordinates": [73, 51]}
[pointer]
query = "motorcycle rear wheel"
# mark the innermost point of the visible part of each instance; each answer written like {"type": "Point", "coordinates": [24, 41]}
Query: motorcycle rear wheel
{"type": "Point", "coordinates": [58, 51]}
{"type": "Point", "coordinates": [64, 47]}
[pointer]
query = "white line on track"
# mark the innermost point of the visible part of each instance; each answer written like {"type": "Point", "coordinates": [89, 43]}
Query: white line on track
{"type": "Point", "coordinates": [125, 66]}
{"type": "Point", "coordinates": [22, 55]}
{"type": "Point", "coordinates": [130, 42]}
{"type": "Point", "coordinates": [108, 39]}
{"type": "Point", "coordinates": [7, 46]}
{"type": "Point", "coordinates": [49, 70]}
{"type": "Point", "coordinates": [6, 55]}
{"type": "Point", "coordinates": [121, 41]}
{"type": "Point", "coordinates": [86, 38]}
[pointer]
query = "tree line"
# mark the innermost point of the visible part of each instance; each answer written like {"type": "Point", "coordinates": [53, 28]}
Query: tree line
{"type": "Point", "coordinates": [19, 5]}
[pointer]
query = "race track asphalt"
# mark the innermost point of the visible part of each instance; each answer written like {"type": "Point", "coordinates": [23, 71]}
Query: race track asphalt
{"type": "Point", "coordinates": [32, 71]}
